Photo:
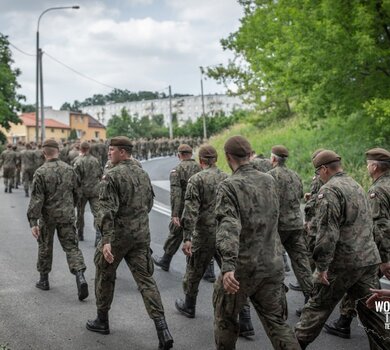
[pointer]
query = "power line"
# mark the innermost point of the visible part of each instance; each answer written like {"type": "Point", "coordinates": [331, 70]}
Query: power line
{"type": "Point", "coordinates": [23, 52]}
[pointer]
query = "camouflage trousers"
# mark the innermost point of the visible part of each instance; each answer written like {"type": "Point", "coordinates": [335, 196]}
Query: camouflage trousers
{"type": "Point", "coordinates": [9, 177]}
{"type": "Point", "coordinates": [348, 306]}
{"type": "Point", "coordinates": [296, 246]}
{"type": "Point", "coordinates": [69, 242]}
{"type": "Point", "coordinates": [17, 176]}
{"type": "Point", "coordinates": [94, 205]}
{"type": "Point", "coordinates": [174, 240]}
{"type": "Point", "coordinates": [196, 267]}
{"type": "Point", "coordinates": [374, 325]}
{"type": "Point", "coordinates": [311, 242]}
{"type": "Point", "coordinates": [28, 175]}
{"type": "Point", "coordinates": [269, 300]}
{"type": "Point", "coordinates": [356, 283]}
{"type": "Point", "coordinates": [140, 263]}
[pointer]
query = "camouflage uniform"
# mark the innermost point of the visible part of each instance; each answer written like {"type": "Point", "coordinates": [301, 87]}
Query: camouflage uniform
{"type": "Point", "coordinates": [198, 221]}
{"type": "Point", "coordinates": [261, 164]}
{"type": "Point", "coordinates": [290, 227]}
{"type": "Point", "coordinates": [345, 248]}
{"type": "Point", "coordinates": [8, 160]}
{"type": "Point", "coordinates": [28, 168]}
{"type": "Point", "coordinates": [52, 203]}
{"type": "Point", "coordinates": [18, 168]}
{"type": "Point", "coordinates": [126, 198]}
{"type": "Point", "coordinates": [39, 158]}
{"type": "Point", "coordinates": [89, 173]}
{"type": "Point", "coordinates": [247, 210]}
{"type": "Point", "coordinates": [179, 177]}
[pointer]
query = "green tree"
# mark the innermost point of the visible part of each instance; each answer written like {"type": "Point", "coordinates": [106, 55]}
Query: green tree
{"type": "Point", "coordinates": [9, 98]}
{"type": "Point", "coordinates": [73, 135]}
{"type": "Point", "coordinates": [325, 57]}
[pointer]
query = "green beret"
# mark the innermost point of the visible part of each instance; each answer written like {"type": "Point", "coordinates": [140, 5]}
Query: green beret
{"type": "Point", "coordinates": [280, 151]}
{"type": "Point", "coordinates": [51, 143]}
{"type": "Point", "coordinates": [238, 146]}
{"type": "Point", "coordinates": [207, 151]}
{"type": "Point", "coordinates": [184, 148]}
{"type": "Point", "coordinates": [378, 154]}
{"type": "Point", "coordinates": [121, 141]}
{"type": "Point", "coordinates": [325, 157]}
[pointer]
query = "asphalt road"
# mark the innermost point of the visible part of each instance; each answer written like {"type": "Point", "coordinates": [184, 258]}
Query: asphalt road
{"type": "Point", "coordinates": [55, 319]}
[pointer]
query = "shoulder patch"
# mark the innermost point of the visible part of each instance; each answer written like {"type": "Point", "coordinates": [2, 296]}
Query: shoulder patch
{"type": "Point", "coordinates": [373, 195]}
{"type": "Point", "coordinates": [320, 196]}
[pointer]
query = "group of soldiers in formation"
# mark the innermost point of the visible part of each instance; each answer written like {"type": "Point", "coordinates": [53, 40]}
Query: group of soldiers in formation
{"type": "Point", "coordinates": [338, 250]}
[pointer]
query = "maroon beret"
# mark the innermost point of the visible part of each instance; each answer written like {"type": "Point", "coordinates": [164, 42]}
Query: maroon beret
{"type": "Point", "coordinates": [238, 146]}
{"type": "Point", "coordinates": [280, 150]}
{"type": "Point", "coordinates": [325, 157]}
{"type": "Point", "coordinates": [378, 154]}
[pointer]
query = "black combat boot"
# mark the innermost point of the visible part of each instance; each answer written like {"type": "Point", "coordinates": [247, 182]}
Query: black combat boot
{"type": "Point", "coordinates": [82, 285]}
{"type": "Point", "coordinates": [246, 327]}
{"type": "Point", "coordinates": [209, 274]}
{"type": "Point", "coordinates": [43, 282]}
{"type": "Point", "coordinates": [26, 193]}
{"type": "Point", "coordinates": [186, 307]}
{"type": "Point", "coordinates": [100, 324]}
{"type": "Point", "coordinates": [10, 189]}
{"type": "Point", "coordinates": [81, 236]}
{"type": "Point", "coordinates": [6, 189]}
{"type": "Point", "coordinates": [164, 262]}
{"type": "Point", "coordinates": [298, 312]}
{"type": "Point", "coordinates": [165, 340]}
{"type": "Point", "coordinates": [340, 327]}
{"type": "Point", "coordinates": [286, 265]}
{"type": "Point", "coordinates": [295, 286]}
{"type": "Point", "coordinates": [303, 344]}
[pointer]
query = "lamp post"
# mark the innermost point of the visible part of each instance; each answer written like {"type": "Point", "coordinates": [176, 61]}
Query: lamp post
{"type": "Point", "coordinates": [203, 111]}
{"type": "Point", "coordinates": [39, 77]}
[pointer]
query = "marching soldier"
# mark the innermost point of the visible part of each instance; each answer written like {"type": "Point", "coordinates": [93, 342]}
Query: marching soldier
{"type": "Point", "coordinates": [126, 198]}
{"type": "Point", "coordinates": [345, 252]}
{"type": "Point", "coordinates": [51, 208]}
{"type": "Point", "coordinates": [247, 211]}
{"type": "Point", "coordinates": [179, 178]}
{"type": "Point", "coordinates": [9, 161]}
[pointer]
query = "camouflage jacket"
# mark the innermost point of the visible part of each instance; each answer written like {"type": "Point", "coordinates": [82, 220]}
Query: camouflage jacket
{"type": "Point", "coordinates": [28, 159]}
{"type": "Point", "coordinates": [54, 193]}
{"type": "Point", "coordinates": [379, 198]}
{"type": "Point", "coordinates": [179, 177]}
{"type": "Point", "coordinates": [8, 159]}
{"type": "Point", "coordinates": [126, 198]}
{"type": "Point", "coordinates": [290, 192]}
{"type": "Point", "coordinates": [247, 211]}
{"type": "Point", "coordinates": [344, 226]}
{"type": "Point", "coordinates": [310, 206]}
{"type": "Point", "coordinates": [89, 173]}
{"type": "Point", "coordinates": [198, 219]}
{"type": "Point", "coordinates": [261, 164]}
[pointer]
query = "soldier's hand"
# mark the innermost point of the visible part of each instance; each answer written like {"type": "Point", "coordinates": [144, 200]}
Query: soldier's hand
{"type": "Point", "coordinates": [385, 269]}
{"type": "Point", "coordinates": [230, 283]}
{"type": "Point", "coordinates": [35, 231]}
{"type": "Point", "coordinates": [107, 253]}
{"type": "Point", "coordinates": [323, 277]}
{"type": "Point", "coordinates": [176, 221]}
{"type": "Point", "coordinates": [187, 248]}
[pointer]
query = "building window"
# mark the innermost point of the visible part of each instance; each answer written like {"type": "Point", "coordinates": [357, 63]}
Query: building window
{"type": "Point", "coordinates": [52, 130]}
{"type": "Point", "coordinates": [63, 131]}
{"type": "Point", "coordinates": [96, 134]}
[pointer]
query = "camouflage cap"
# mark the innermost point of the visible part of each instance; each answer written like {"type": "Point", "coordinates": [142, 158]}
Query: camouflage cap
{"type": "Point", "coordinates": [184, 148]}
{"type": "Point", "coordinates": [378, 154]}
{"type": "Point", "coordinates": [238, 146]}
{"type": "Point", "coordinates": [50, 143]}
{"type": "Point", "coordinates": [120, 141]}
{"type": "Point", "coordinates": [207, 151]}
{"type": "Point", "coordinates": [280, 151]}
{"type": "Point", "coordinates": [325, 157]}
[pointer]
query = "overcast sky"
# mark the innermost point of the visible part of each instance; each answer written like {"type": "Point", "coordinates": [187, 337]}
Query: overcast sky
{"type": "Point", "coordinates": [127, 44]}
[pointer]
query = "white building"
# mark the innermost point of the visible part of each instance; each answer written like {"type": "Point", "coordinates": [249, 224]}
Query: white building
{"type": "Point", "coordinates": [188, 107]}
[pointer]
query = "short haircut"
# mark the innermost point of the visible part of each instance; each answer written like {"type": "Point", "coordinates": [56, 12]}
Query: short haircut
{"type": "Point", "coordinates": [128, 149]}
{"type": "Point", "coordinates": [50, 151]}
{"type": "Point", "coordinates": [382, 166]}
{"type": "Point", "coordinates": [279, 160]}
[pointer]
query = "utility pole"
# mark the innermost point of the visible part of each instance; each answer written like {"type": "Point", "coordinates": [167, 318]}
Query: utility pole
{"type": "Point", "coordinates": [43, 131]}
{"type": "Point", "coordinates": [170, 114]}
{"type": "Point", "coordinates": [203, 111]}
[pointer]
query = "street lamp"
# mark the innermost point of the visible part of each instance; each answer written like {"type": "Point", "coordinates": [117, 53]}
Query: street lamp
{"type": "Point", "coordinates": [203, 112]}
{"type": "Point", "coordinates": [39, 77]}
